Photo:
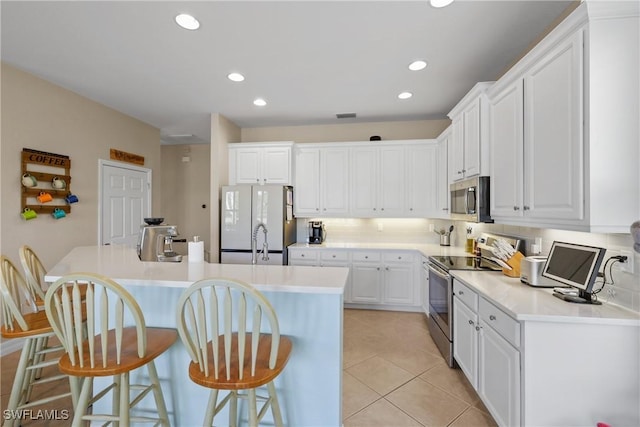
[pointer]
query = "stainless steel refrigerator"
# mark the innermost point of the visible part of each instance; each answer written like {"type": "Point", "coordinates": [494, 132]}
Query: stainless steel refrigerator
{"type": "Point", "coordinates": [249, 210]}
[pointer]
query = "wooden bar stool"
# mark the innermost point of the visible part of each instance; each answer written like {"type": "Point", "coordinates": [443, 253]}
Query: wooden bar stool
{"type": "Point", "coordinates": [228, 359]}
{"type": "Point", "coordinates": [107, 352]}
{"type": "Point", "coordinates": [22, 319]}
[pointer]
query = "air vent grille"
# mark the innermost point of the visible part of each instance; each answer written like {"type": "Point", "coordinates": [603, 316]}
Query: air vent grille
{"type": "Point", "coordinates": [346, 115]}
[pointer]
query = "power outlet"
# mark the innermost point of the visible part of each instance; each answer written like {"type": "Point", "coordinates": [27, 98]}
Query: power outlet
{"type": "Point", "coordinates": [627, 266]}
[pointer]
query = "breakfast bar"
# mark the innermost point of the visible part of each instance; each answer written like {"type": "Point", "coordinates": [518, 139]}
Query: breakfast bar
{"type": "Point", "coordinates": [307, 300]}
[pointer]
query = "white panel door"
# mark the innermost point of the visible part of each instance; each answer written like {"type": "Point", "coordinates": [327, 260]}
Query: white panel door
{"type": "Point", "coordinates": [506, 128]}
{"type": "Point", "coordinates": [553, 137]}
{"type": "Point", "coordinates": [334, 175]}
{"type": "Point", "coordinates": [125, 201]}
{"type": "Point", "coordinates": [307, 182]}
{"type": "Point", "coordinates": [392, 188]}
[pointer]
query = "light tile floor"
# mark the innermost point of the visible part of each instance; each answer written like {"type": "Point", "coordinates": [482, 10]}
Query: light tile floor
{"type": "Point", "coordinates": [395, 376]}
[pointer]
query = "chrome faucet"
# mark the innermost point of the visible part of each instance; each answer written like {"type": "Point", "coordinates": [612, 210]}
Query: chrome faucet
{"type": "Point", "coordinates": [254, 244]}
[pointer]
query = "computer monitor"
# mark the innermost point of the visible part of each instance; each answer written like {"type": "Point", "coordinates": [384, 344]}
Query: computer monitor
{"type": "Point", "coordinates": [576, 266]}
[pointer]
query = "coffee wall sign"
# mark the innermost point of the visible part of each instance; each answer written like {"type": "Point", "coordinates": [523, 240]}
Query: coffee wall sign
{"type": "Point", "coordinates": [45, 192]}
{"type": "Point", "coordinates": [123, 156]}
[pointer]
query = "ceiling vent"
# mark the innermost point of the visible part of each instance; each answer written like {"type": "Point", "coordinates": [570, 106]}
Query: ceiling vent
{"type": "Point", "coordinates": [346, 115]}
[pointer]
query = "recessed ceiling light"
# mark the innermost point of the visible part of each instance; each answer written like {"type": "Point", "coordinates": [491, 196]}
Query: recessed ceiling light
{"type": "Point", "coordinates": [417, 65]}
{"type": "Point", "coordinates": [187, 22]}
{"type": "Point", "coordinates": [405, 95]}
{"type": "Point", "coordinates": [259, 102]}
{"type": "Point", "coordinates": [235, 77]}
{"type": "Point", "coordinates": [441, 3]}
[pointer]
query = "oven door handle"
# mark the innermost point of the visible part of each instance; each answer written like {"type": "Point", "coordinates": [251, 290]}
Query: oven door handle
{"type": "Point", "coordinates": [438, 272]}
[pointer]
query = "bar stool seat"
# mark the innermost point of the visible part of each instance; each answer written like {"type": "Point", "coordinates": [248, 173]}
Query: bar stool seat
{"type": "Point", "coordinates": [220, 323]}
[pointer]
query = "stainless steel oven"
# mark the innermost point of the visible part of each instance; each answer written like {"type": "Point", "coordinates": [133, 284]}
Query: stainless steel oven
{"type": "Point", "coordinates": [440, 311]}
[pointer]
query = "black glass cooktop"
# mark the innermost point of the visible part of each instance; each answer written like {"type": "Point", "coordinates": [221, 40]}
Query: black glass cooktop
{"type": "Point", "coordinates": [464, 263]}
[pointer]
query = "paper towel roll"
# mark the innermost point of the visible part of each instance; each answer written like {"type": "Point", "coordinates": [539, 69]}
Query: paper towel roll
{"type": "Point", "coordinates": [196, 251]}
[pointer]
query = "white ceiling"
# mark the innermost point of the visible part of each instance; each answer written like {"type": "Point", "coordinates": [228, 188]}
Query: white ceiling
{"type": "Point", "coordinates": [309, 60]}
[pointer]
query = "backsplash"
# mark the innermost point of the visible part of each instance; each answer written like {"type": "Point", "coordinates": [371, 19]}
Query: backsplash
{"type": "Point", "coordinates": [626, 287]}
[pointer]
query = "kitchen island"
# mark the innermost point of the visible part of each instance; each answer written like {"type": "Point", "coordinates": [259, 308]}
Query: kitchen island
{"type": "Point", "coordinates": [309, 304]}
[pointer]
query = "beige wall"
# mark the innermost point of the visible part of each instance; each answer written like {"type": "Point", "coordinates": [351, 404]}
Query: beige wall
{"type": "Point", "coordinates": [418, 129]}
{"type": "Point", "coordinates": [223, 131]}
{"type": "Point", "coordinates": [39, 115]}
{"type": "Point", "coordinates": [185, 189]}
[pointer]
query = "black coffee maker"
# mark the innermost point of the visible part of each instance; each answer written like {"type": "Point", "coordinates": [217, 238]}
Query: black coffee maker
{"type": "Point", "coordinates": [316, 232]}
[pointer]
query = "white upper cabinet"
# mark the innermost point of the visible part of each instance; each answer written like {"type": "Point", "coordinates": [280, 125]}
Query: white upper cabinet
{"type": "Point", "coordinates": [260, 163]}
{"type": "Point", "coordinates": [442, 179]}
{"type": "Point", "coordinates": [422, 185]}
{"type": "Point", "coordinates": [553, 142]}
{"type": "Point", "coordinates": [469, 140]}
{"type": "Point", "coordinates": [321, 180]}
{"type": "Point", "coordinates": [563, 126]}
{"type": "Point", "coordinates": [506, 128]}
{"type": "Point", "coordinates": [378, 181]}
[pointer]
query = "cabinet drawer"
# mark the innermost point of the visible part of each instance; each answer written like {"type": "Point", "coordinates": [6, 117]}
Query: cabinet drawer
{"type": "Point", "coordinates": [309, 255]}
{"type": "Point", "coordinates": [466, 295]}
{"type": "Point", "coordinates": [366, 256]}
{"type": "Point", "coordinates": [334, 255]}
{"type": "Point", "coordinates": [502, 323]}
{"type": "Point", "coordinates": [398, 257]}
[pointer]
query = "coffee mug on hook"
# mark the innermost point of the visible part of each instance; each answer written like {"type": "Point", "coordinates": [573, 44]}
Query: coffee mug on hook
{"type": "Point", "coordinates": [58, 183]}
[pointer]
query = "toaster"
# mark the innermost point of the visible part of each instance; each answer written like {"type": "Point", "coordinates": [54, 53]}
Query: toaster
{"type": "Point", "coordinates": [531, 272]}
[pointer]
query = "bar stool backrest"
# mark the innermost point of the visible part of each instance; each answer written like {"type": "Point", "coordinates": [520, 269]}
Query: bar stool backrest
{"type": "Point", "coordinates": [109, 308]}
{"type": "Point", "coordinates": [34, 271]}
{"type": "Point", "coordinates": [16, 298]}
{"type": "Point", "coordinates": [216, 311]}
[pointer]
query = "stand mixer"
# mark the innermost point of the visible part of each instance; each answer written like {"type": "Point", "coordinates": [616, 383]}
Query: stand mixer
{"type": "Point", "coordinates": [155, 243]}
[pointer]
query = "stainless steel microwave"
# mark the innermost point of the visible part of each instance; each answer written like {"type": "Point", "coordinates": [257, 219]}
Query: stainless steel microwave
{"type": "Point", "coordinates": [470, 200]}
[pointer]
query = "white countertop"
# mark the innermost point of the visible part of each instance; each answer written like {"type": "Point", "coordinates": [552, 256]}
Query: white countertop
{"type": "Point", "coordinates": [426, 249]}
{"type": "Point", "coordinates": [121, 264]}
{"type": "Point", "coordinates": [526, 303]}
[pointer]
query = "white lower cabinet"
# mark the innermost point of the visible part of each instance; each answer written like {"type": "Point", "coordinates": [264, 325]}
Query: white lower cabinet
{"type": "Point", "coordinates": [366, 277]}
{"type": "Point", "coordinates": [485, 345]}
{"type": "Point", "coordinates": [377, 277]}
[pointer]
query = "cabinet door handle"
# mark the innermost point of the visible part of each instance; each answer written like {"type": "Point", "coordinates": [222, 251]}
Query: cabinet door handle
{"type": "Point", "coordinates": [471, 322]}
{"type": "Point", "coordinates": [478, 328]}
{"type": "Point", "coordinates": [410, 209]}
{"type": "Point", "coordinates": [460, 292]}
{"type": "Point", "coordinates": [378, 268]}
{"type": "Point", "coordinates": [382, 209]}
{"type": "Point", "coordinates": [302, 255]}
{"type": "Point", "coordinates": [324, 209]}
{"type": "Point", "coordinates": [333, 256]}
{"type": "Point", "coordinates": [464, 170]}
{"type": "Point", "coordinates": [492, 317]}
{"type": "Point", "coordinates": [399, 257]}
{"type": "Point", "coordinates": [366, 257]}
{"type": "Point", "coordinates": [386, 268]}
{"type": "Point", "coordinates": [526, 208]}
{"type": "Point", "coordinates": [516, 208]}
{"type": "Point", "coordinates": [374, 209]}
